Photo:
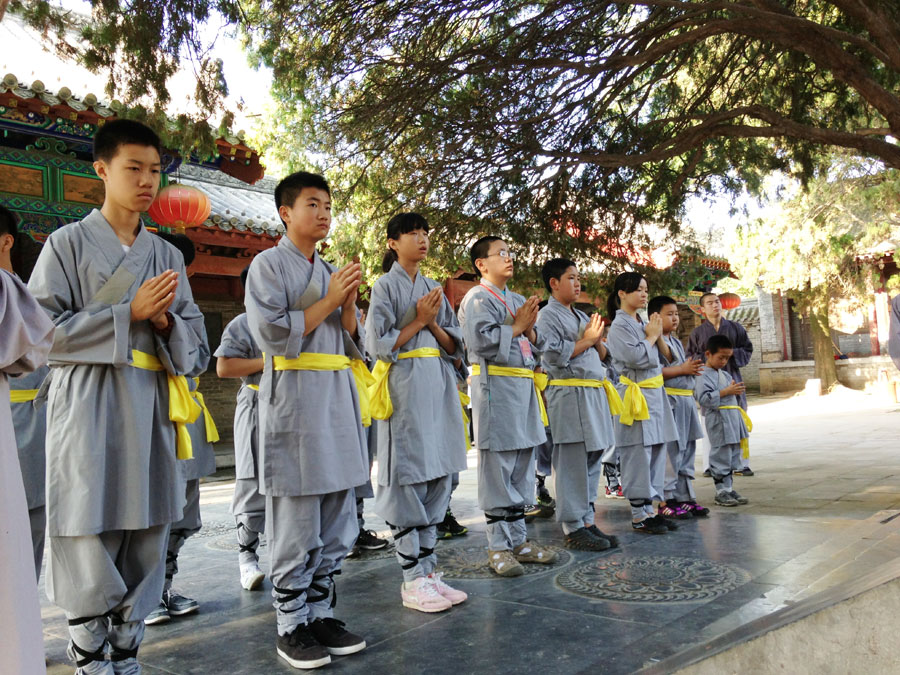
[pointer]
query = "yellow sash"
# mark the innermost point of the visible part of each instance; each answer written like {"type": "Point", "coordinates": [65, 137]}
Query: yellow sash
{"type": "Point", "coordinates": [183, 409]}
{"type": "Point", "coordinates": [254, 387]}
{"type": "Point", "coordinates": [314, 361]}
{"type": "Point", "coordinates": [540, 382]}
{"type": "Point", "coordinates": [612, 396]}
{"type": "Point", "coordinates": [745, 442]}
{"type": "Point", "coordinates": [212, 434]}
{"type": "Point", "coordinates": [22, 395]}
{"type": "Point", "coordinates": [675, 391]}
{"type": "Point", "coordinates": [464, 400]}
{"type": "Point", "coordinates": [379, 392]}
{"type": "Point", "coordinates": [635, 403]}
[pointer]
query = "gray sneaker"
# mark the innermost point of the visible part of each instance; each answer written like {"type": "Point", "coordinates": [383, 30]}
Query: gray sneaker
{"type": "Point", "coordinates": [583, 539]}
{"type": "Point", "coordinates": [158, 615]}
{"type": "Point", "coordinates": [738, 498]}
{"type": "Point", "coordinates": [726, 499]}
{"type": "Point", "coordinates": [178, 605]}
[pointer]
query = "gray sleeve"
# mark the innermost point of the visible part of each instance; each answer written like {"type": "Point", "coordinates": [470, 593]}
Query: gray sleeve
{"type": "Point", "coordinates": [186, 350]}
{"type": "Point", "coordinates": [26, 330]}
{"type": "Point", "coordinates": [277, 329]}
{"type": "Point", "coordinates": [485, 336]}
{"type": "Point", "coordinates": [381, 324]}
{"type": "Point", "coordinates": [557, 351]}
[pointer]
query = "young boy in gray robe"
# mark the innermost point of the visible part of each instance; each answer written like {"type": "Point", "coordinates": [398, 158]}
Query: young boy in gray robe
{"type": "Point", "coordinates": [203, 434]}
{"type": "Point", "coordinates": [312, 450]}
{"type": "Point", "coordinates": [578, 404]}
{"type": "Point", "coordinates": [27, 337]}
{"type": "Point", "coordinates": [238, 355]}
{"type": "Point", "coordinates": [509, 420]}
{"type": "Point", "coordinates": [127, 334]}
{"type": "Point", "coordinates": [646, 423]}
{"type": "Point", "coordinates": [727, 425]}
{"type": "Point", "coordinates": [29, 420]}
{"type": "Point", "coordinates": [412, 331]}
{"type": "Point", "coordinates": [679, 374]}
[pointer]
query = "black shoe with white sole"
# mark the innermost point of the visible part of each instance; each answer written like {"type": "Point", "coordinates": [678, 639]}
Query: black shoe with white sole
{"type": "Point", "coordinates": [331, 634]}
{"type": "Point", "coordinates": [301, 649]}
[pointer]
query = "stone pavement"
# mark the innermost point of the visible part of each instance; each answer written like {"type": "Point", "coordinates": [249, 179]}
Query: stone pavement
{"type": "Point", "coordinates": [827, 481]}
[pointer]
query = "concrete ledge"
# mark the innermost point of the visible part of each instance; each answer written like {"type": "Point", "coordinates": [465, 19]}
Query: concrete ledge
{"type": "Point", "coordinates": [848, 628]}
{"type": "Point", "coordinates": [860, 373]}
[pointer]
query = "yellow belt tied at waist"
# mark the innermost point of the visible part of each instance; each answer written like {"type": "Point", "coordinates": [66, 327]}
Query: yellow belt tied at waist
{"type": "Point", "coordinates": [22, 395]}
{"type": "Point", "coordinates": [379, 392]}
{"type": "Point", "coordinates": [745, 442]}
{"type": "Point", "coordinates": [612, 396]}
{"type": "Point", "coordinates": [314, 361]}
{"type": "Point", "coordinates": [635, 403]}
{"type": "Point", "coordinates": [254, 387]}
{"type": "Point", "coordinates": [212, 434]}
{"type": "Point", "coordinates": [183, 409]}
{"type": "Point", "coordinates": [464, 400]}
{"type": "Point", "coordinates": [675, 391]}
{"type": "Point", "coordinates": [540, 382]}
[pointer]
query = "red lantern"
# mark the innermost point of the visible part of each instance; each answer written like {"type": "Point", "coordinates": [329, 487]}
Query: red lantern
{"type": "Point", "coordinates": [180, 206]}
{"type": "Point", "coordinates": [730, 300]}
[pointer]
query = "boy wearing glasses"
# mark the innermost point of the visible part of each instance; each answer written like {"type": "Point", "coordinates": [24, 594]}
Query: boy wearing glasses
{"type": "Point", "coordinates": [509, 420]}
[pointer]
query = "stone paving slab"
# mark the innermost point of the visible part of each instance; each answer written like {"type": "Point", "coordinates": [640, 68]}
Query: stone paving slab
{"type": "Point", "coordinates": [827, 478]}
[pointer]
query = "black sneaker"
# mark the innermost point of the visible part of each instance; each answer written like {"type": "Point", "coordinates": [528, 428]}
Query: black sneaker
{"type": "Point", "coordinates": [301, 649]}
{"type": "Point", "coordinates": [368, 541]}
{"type": "Point", "coordinates": [451, 527]}
{"type": "Point", "coordinates": [543, 494]}
{"type": "Point", "coordinates": [695, 509]}
{"type": "Point", "coordinates": [649, 526]}
{"type": "Point", "coordinates": [532, 511]}
{"type": "Point", "coordinates": [670, 525]}
{"type": "Point", "coordinates": [583, 539]}
{"type": "Point", "coordinates": [707, 474]}
{"type": "Point", "coordinates": [597, 532]}
{"type": "Point", "coordinates": [744, 471]}
{"type": "Point", "coordinates": [330, 633]}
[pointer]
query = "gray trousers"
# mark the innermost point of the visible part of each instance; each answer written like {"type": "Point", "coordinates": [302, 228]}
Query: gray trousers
{"type": "Point", "coordinates": [180, 532]}
{"type": "Point", "coordinates": [309, 537]}
{"type": "Point", "coordinates": [576, 473]}
{"type": "Point", "coordinates": [249, 510]}
{"type": "Point", "coordinates": [505, 485]}
{"type": "Point", "coordinates": [723, 460]}
{"type": "Point", "coordinates": [107, 584]}
{"type": "Point", "coordinates": [643, 477]}
{"type": "Point", "coordinates": [680, 472]}
{"type": "Point", "coordinates": [38, 519]}
{"type": "Point", "coordinates": [414, 513]}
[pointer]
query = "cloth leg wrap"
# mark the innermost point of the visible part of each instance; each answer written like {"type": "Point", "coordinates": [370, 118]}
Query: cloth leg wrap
{"type": "Point", "coordinates": [248, 542]}
{"type": "Point", "coordinates": [407, 548]}
{"type": "Point", "coordinates": [101, 627]}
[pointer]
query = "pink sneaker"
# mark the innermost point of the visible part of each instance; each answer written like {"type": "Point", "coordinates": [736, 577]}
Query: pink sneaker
{"type": "Point", "coordinates": [422, 595]}
{"type": "Point", "coordinates": [454, 596]}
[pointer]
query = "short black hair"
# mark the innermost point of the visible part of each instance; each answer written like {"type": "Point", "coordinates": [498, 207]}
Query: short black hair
{"type": "Point", "coordinates": [480, 249]}
{"type": "Point", "coordinates": [656, 304]}
{"type": "Point", "coordinates": [717, 342]}
{"type": "Point", "coordinates": [290, 187]}
{"type": "Point", "coordinates": [112, 135]}
{"type": "Point", "coordinates": [244, 273]}
{"type": "Point", "coordinates": [8, 223]}
{"type": "Point", "coordinates": [183, 243]}
{"type": "Point", "coordinates": [705, 296]}
{"type": "Point", "coordinates": [554, 269]}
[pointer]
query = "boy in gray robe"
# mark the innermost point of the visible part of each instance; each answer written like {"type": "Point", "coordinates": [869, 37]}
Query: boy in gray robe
{"type": "Point", "coordinates": [412, 331]}
{"type": "Point", "coordinates": [578, 404]}
{"type": "Point", "coordinates": [726, 422]}
{"type": "Point", "coordinates": [27, 337]}
{"type": "Point", "coordinates": [127, 332]}
{"type": "Point", "coordinates": [29, 420]}
{"type": "Point", "coordinates": [312, 449]}
{"type": "Point", "coordinates": [239, 356]}
{"type": "Point", "coordinates": [646, 423]}
{"type": "Point", "coordinates": [498, 329]}
{"type": "Point", "coordinates": [679, 373]}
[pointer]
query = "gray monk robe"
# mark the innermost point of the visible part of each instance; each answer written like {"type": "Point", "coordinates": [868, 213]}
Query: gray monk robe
{"type": "Point", "coordinates": [580, 419]}
{"type": "Point", "coordinates": [30, 424]}
{"type": "Point", "coordinates": [312, 447]}
{"type": "Point", "coordinates": [505, 410]}
{"type": "Point", "coordinates": [248, 506]}
{"type": "Point", "coordinates": [423, 442]}
{"type": "Point", "coordinates": [112, 482]}
{"type": "Point", "coordinates": [680, 391]}
{"type": "Point", "coordinates": [641, 445]}
{"type": "Point", "coordinates": [25, 338]}
{"type": "Point", "coordinates": [725, 428]}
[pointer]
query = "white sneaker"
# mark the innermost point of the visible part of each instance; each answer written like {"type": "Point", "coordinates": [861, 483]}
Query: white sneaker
{"type": "Point", "coordinates": [453, 595]}
{"type": "Point", "coordinates": [251, 576]}
{"type": "Point", "coordinates": [422, 595]}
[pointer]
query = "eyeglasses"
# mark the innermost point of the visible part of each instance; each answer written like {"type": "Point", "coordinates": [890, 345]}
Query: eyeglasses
{"type": "Point", "coordinates": [503, 254]}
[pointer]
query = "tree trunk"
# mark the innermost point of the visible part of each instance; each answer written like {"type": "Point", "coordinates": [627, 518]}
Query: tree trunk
{"type": "Point", "coordinates": [823, 350]}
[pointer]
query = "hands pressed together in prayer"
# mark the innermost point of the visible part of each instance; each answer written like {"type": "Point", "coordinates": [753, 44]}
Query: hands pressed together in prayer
{"type": "Point", "coordinates": [154, 298]}
{"type": "Point", "coordinates": [525, 318]}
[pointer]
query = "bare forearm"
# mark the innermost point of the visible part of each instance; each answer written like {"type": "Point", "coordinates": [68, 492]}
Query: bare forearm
{"type": "Point", "coordinates": [407, 333]}
{"type": "Point", "coordinates": [317, 313]}
{"type": "Point", "coordinates": [582, 346]}
{"type": "Point", "coordinates": [443, 337]}
{"type": "Point", "coordinates": [349, 321]}
{"type": "Point", "coordinates": [236, 367]}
